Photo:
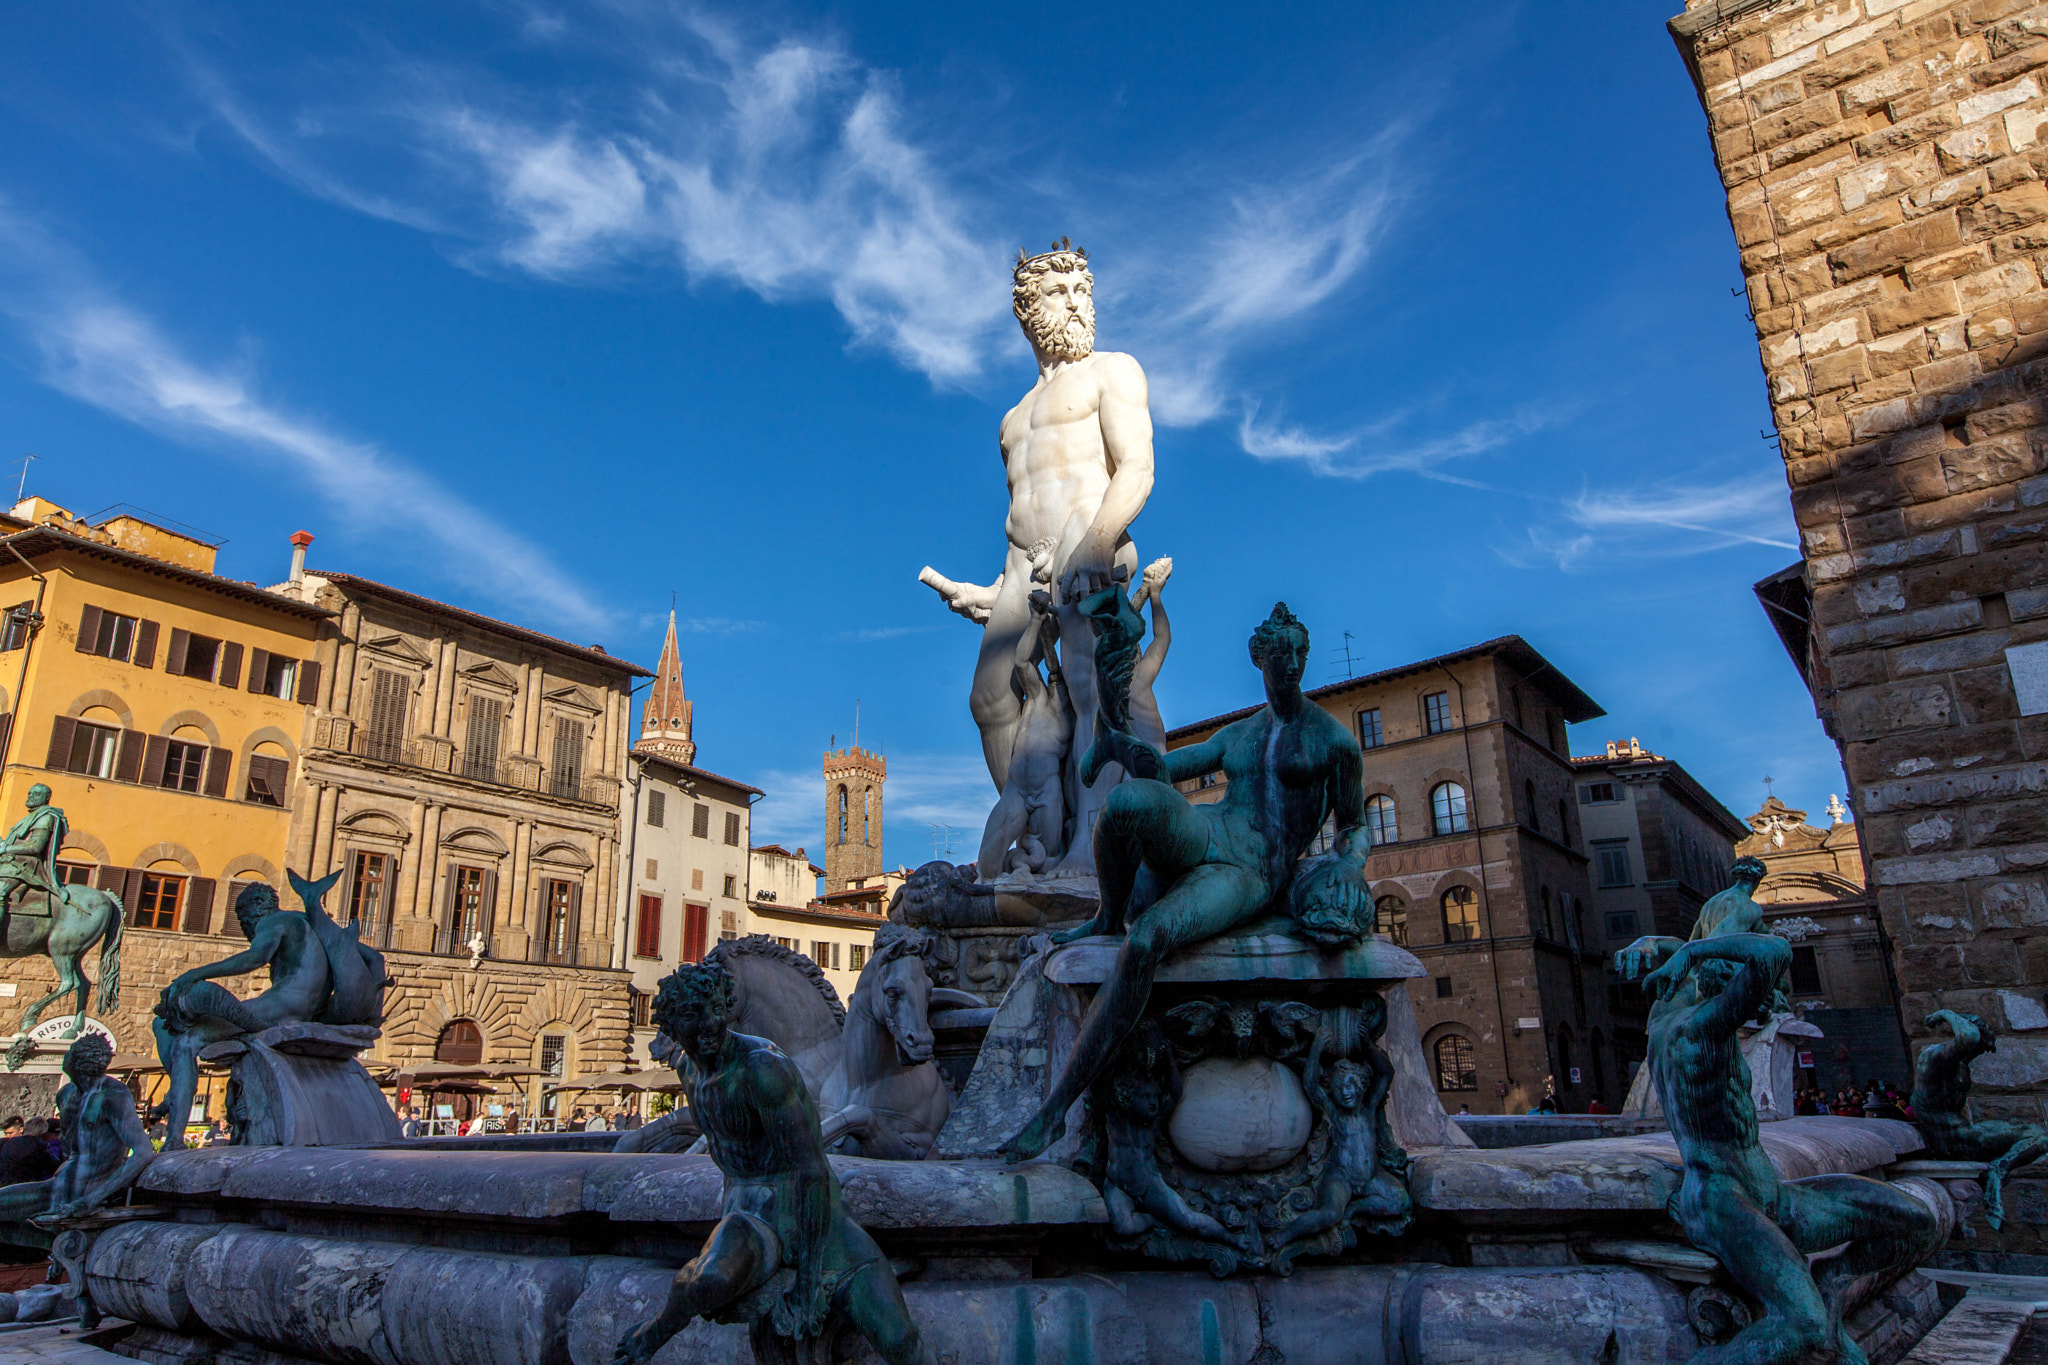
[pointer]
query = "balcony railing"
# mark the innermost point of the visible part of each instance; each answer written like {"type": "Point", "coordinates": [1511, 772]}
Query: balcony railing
{"type": "Point", "coordinates": [441, 756]}
{"type": "Point", "coordinates": [567, 955]}
{"type": "Point", "coordinates": [455, 942]}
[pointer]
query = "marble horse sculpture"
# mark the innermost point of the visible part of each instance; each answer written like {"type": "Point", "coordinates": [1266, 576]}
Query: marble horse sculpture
{"type": "Point", "coordinates": [1182, 874]}
{"type": "Point", "coordinates": [320, 974]}
{"type": "Point", "coordinates": [39, 914]}
{"type": "Point", "coordinates": [1731, 1203]}
{"type": "Point", "coordinates": [869, 1068]}
{"type": "Point", "coordinates": [1941, 1093]}
{"type": "Point", "coordinates": [785, 1256]}
{"type": "Point", "coordinates": [887, 1098]}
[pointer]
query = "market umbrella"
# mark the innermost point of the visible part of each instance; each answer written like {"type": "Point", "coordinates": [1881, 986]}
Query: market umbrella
{"type": "Point", "coordinates": [604, 1080]}
{"type": "Point", "coordinates": [134, 1061]}
{"type": "Point", "coordinates": [656, 1078]}
{"type": "Point", "coordinates": [427, 1073]}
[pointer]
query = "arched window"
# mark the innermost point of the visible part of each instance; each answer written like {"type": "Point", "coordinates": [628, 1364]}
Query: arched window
{"type": "Point", "coordinates": [1545, 899]}
{"type": "Point", "coordinates": [1461, 914]}
{"type": "Point", "coordinates": [1565, 1061]}
{"type": "Point", "coordinates": [1564, 824]}
{"type": "Point", "coordinates": [1447, 807]}
{"type": "Point", "coordinates": [1390, 917]}
{"type": "Point", "coordinates": [1529, 804]}
{"type": "Point", "coordinates": [1381, 821]}
{"type": "Point", "coordinates": [1456, 1068]}
{"type": "Point", "coordinates": [460, 1044]}
{"type": "Point", "coordinates": [867, 812]}
{"type": "Point", "coordinates": [842, 814]}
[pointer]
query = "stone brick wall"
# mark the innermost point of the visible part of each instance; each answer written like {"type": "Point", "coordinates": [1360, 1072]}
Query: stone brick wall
{"type": "Point", "coordinates": [1884, 162]}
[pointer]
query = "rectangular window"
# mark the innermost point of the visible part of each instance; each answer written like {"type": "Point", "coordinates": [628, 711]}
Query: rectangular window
{"type": "Point", "coordinates": [554, 1054]}
{"type": "Point", "coordinates": [1621, 924]}
{"type": "Point", "coordinates": [566, 777]}
{"type": "Point", "coordinates": [643, 1009]}
{"type": "Point", "coordinates": [657, 809]}
{"type": "Point", "coordinates": [788, 943]}
{"type": "Point", "coordinates": [700, 821]}
{"type": "Point", "coordinates": [821, 952]}
{"type": "Point", "coordinates": [113, 637]}
{"type": "Point", "coordinates": [14, 627]}
{"type": "Point", "coordinates": [157, 907]}
{"type": "Point", "coordinates": [1369, 734]}
{"type": "Point", "coordinates": [372, 873]}
{"type": "Point", "coordinates": [267, 778]}
{"type": "Point", "coordinates": [273, 675]}
{"type": "Point", "coordinates": [1443, 988]}
{"type": "Point", "coordinates": [555, 928]}
{"type": "Point", "coordinates": [647, 936]}
{"type": "Point", "coordinates": [1596, 793]}
{"type": "Point", "coordinates": [390, 695]}
{"type": "Point", "coordinates": [471, 914]}
{"type": "Point", "coordinates": [1805, 971]}
{"type": "Point", "coordinates": [201, 658]}
{"type": "Point", "coordinates": [857, 956]}
{"type": "Point", "coordinates": [732, 830]}
{"type": "Point", "coordinates": [184, 765]}
{"type": "Point", "coordinates": [732, 885]}
{"type": "Point", "coordinates": [480, 741]}
{"type": "Point", "coordinates": [93, 750]}
{"type": "Point", "coordinates": [1436, 712]}
{"type": "Point", "coordinates": [74, 874]}
{"type": "Point", "coordinates": [696, 929]}
{"type": "Point", "coordinates": [1611, 859]}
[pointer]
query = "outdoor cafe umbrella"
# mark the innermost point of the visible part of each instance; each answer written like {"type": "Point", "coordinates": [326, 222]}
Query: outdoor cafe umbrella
{"type": "Point", "coordinates": [133, 1061]}
{"type": "Point", "coordinates": [604, 1080]}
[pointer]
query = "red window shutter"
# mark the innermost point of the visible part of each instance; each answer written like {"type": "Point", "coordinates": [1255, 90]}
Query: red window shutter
{"type": "Point", "coordinates": [215, 783]}
{"type": "Point", "coordinates": [174, 652]}
{"type": "Point", "coordinates": [309, 681]}
{"type": "Point", "coordinates": [145, 643]}
{"type": "Point", "coordinates": [694, 917]}
{"type": "Point", "coordinates": [259, 668]}
{"type": "Point", "coordinates": [648, 942]}
{"type": "Point", "coordinates": [230, 664]}
{"type": "Point", "coordinates": [153, 760]}
{"type": "Point", "coordinates": [198, 918]}
{"type": "Point", "coordinates": [88, 630]}
{"type": "Point", "coordinates": [128, 759]}
{"type": "Point", "coordinates": [62, 731]}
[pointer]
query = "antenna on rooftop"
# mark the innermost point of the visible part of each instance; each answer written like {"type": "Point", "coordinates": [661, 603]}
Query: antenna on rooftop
{"type": "Point", "coordinates": [942, 840]}
{"type": "Point", "coordinates": [1768, 780]}
{"type": "Point", "coordinates": [21, 489]}
{"type": "Point", "coordinates": [1350, 664]}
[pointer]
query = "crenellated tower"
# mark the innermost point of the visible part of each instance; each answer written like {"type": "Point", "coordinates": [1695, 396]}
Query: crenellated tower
{"type": "Point", "coordinates": [853, 816]}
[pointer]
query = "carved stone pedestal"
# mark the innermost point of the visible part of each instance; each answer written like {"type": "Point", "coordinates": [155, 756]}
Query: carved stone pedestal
{"type": "Point", "coordinates": [300, 1085]}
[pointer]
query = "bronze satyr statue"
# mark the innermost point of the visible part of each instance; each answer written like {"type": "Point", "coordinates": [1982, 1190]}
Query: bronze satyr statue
{"type": "Point", "coordinates": [105, 1147]}
{"type": "Point", "coordinates": [1290, 766]}
{"type": "Point", "coordinates": [1941, 1089]}
{"type": "Point", "coordinates": [786, 1257]}
{"type": "Point", "coordinates": [1731, 1202]}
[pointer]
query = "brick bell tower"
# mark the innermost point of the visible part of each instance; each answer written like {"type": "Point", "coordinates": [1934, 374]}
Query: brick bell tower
{"type": "Point", "coordinates": [853, 816]}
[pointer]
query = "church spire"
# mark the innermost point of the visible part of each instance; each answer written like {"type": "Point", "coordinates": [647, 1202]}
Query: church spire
{"type": "Point", "coordinates": [665, 719]}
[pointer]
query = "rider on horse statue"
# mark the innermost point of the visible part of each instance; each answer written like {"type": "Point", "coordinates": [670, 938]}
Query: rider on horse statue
{"type": "Point", "coordinates": [28, 858]}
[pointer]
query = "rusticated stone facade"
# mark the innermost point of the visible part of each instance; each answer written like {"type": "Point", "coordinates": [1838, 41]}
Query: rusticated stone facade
{"type": "Point", "coordinates": [1884, 161]}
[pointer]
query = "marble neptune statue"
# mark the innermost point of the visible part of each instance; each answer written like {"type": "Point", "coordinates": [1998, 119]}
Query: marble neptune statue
{"type": "Point", "coordinates": [1077, 450]}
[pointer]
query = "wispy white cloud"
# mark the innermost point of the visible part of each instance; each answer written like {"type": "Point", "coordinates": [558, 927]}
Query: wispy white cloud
{"type": "Point", "coordinates": [1362, 453]}
{"type": "Point", "coordinates": [1637, 522]}
{"type": "Point", "coordinates": [871, 634]}
{"type": "Point", "coordinates": [98, 349]}
{"type": "Point", "coordinates": [719, 625]}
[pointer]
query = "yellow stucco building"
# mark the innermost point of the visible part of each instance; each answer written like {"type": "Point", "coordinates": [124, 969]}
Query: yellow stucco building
{"type": "Point", "coordinates": [165, 707]}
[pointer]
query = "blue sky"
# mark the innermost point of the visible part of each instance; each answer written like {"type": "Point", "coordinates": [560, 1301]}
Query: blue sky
{"type": "Point", "coordinates": [553, 311]}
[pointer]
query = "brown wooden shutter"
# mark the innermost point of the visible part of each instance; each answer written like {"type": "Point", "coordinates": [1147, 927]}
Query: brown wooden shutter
{"type": "Point", "coordinates": [448, 899]}
{"type": "Point", "coordinates": [174, 652]}
{"type": "Point", "coordinates": [6, 729]}
{"type": "Point", "coordinates": [215, 783]}
{"type": "Point", "coordinates": [124, 882]}
{"type": "Point", "coordinates": [62, 731]}
{"type": "Point", "coordinates": [128, 760]}
{"type": "Point", "coordinates": [145, 644]}
{"type": "Point", "coordinates": [198, 917]}
{"type": "Point", "coordinates": [230, 664]}
{"type": "Point", "coordinates": [575, 935]}
{"type": "Point", "coordinates": [309, 681]}
{"type": "Point", "coordinates": [153, 760]}
{"type": "Point", "coordinates": [88, 630]}
{"type": "Point", "coordinates": [487, 918]}
{"type": "Point", "coordinates": [259, 669]}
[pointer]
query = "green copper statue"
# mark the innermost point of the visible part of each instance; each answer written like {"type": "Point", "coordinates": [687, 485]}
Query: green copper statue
{"type": "Point", "coordinates": [28, 858]}
{"type": "Point", "coordinates": [786, 1256]}
{"type": "Point", "coordinates": [1209, 869]}
{"type": "Point", "coordinates": [1731, 1202]}
{"type": "Point", "coordinates": [105, 1147]}
{"type": "Point", "coordinates": [1941, 1090]}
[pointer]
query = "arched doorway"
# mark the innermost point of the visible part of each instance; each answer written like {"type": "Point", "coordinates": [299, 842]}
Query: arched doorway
{"type": "Point", "coordinates": [460, 1044]}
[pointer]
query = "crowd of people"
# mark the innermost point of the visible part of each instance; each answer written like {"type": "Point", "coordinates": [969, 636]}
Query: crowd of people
{"type": "Point", "coordinates": [1874, 1101]}
{"type": "Point", "coordinates": [620, 1119]}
